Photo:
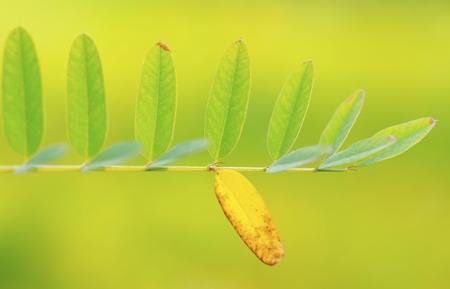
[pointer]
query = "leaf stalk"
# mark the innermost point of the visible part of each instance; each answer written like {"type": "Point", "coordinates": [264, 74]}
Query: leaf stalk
{"type": "Point", "coordinates": [207, 168]}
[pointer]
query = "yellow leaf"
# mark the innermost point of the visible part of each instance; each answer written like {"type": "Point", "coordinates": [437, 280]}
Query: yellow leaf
{"type": "Point", "coordinates": [247, 212]}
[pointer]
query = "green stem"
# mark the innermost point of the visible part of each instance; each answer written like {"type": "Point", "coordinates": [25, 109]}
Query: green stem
{"type": "Point", "coordinates": [77, 168]}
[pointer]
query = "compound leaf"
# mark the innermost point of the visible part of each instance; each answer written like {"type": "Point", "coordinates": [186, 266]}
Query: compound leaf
{"type": "Point", "coordinates": [358, 151]}
{"type": "Point", "coordinates": [342, 121]}
{"type": "Point", "coordinates": [113, 155]}
{"type": "Point", "coordinates": [86, 98]}
{"type": "Point", "coordinates": [290, 110]}
{"type": "Point", "coordinates": [228, 101]}
{"type": "Point", "coordinates": [299, 157]}
{"type": "Point", "coordinates": [22, 93]}
{"type": "Point", "coordinates": [43, 157]}
{"type": "Point", "coordinates": [247, 213]}
{"type": "Point", "coordinates": [156, 103]}
{"type": "Point", "coordinates": [179, 151]}
{"type": "Point", "coordinates": [407, 134]}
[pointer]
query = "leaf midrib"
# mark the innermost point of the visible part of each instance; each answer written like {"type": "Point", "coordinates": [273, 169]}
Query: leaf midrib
{"type": "Point", "coordinates": [290, 123]}
{"type": "Point", "coordinates": [340, 136]}
{"type": "Point", "coordinates": [25, 92]}
{"type": "Point", "coordinates": [240, 204]}
{"type": "Point", "coordinates": [236, 61]}
{"type": "Point", "coordinates": [156, 112]}
{"type": "Point", "coordinates": [88, 89]}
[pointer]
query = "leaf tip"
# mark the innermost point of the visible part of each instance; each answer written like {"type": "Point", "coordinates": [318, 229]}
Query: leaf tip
{"type": "Point", "coordinates": [359, 93]}
{"type": "Point", "coordinates": [307, 65]}
{"type": "Point", "coordinates": [163, 46]}
{"type": "Point", "coordinates": [84, 36]}
{"type": "Point", "coordinates": [432, 121]}
{"type": "Point", "coordinates": [19, 29]}
{"type": "Point", "coordinates": [275, 258]}
{"type": "Point", "coordinates": [239, 43]}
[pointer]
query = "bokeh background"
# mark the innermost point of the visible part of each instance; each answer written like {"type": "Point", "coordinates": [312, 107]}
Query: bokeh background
{"type": "Point", "coordinates": [386, 226]}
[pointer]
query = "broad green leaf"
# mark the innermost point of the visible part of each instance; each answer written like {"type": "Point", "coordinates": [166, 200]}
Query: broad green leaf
{"type": "Point", "coordinates": [113, 155]}
{"type": "Point", "coordinates": [342, 121]}
{"type": "Point", "coordinates": [156, 103]}
{"type": "Point", "coordinates": [43, 157]}
{"type": "Point", "coordinates": [248, 214]}
{"type": "Point", "coordinates": [227, 104]}
{"type": "Point", "coordinates": [299, 157]}
{"type": "Point", "coordinates": [358, 151]}
{"type": "Point", "coordinates": [22, 93]}
{"type": "Point", "coordinates": [179, 151]}
{"type": "Point", "coordinates": [407, 134]}
{"type": "Point", "coordinates": [290, 111]}
{"type": "Point", "coordinates": [86, 98]}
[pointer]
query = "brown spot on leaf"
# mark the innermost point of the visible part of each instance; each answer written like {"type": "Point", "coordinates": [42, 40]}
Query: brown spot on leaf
{"type": "Point", "coordinates": [163, 46]}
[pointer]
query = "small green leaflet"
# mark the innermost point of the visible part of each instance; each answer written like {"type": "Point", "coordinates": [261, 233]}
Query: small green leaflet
{"type": "Point", "coordinates": [290, 111]}
{"type": "Point", "coordinates": [407, 134]}
{"type": "Point", "coordinates": [113, 155]}
{"type": "Point", "coordinates": [22, 94]}
{"type": "Point", "coordinates": [342, 121]}
{"type": "Point", "coordinates": [86, 98]}
{"type": "Point", "coordinates": [179, 151]}
{"type": "Point", "coordinates": [43, 157]}
{"type": "Point", "coordinates": [228, 101]}
{"type": "Point", "coordinates": [156, 103]}
{"type": "Point", "coordinates": [358, 151]}
{"type": "Point", "coordinates": [299, 157]}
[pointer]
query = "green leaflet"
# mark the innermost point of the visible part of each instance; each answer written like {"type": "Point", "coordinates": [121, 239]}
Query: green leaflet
{"type": "Point", "coordinates": [299, 157]}
{"type": "Point", "coordinates": [86, 98]}
{"type": "Point", "coordinates": [22, 94]}
{"type": "Point", "coordinates": [179, 151]}
{"type": "Point", "coordinates": [407, 134]}
{"type": "Point", "coordinates": [342, 121]}
{"type": "Point", "coordinates": [43, 157]}
{"type": "Point", "coordinates": [228, 101]}
{"type": "Point", "coordinates": [113, 155]}
{"type": "Point", "coordinates": [358, 151]}
{"type": "Point", "coordinates": [290, 111]}
{"type": "Point", "coordinates": [156, 103]}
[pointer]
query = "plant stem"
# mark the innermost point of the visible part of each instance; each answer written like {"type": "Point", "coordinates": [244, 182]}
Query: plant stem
{"type": "Point", "coordinates": [209, 168]}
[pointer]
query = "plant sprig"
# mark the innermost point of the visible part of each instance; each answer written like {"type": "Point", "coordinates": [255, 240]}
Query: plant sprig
{"type": "Point", "coordinates": [154, 128]}
{"type": "Point", "coordinates": [156, 107]}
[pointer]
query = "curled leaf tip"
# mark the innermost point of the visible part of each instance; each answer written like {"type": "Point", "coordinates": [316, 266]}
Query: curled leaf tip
{"type": "Point", "coordinates": [163, 46]}
{"type": "Point", "coordinates": [433, 121]}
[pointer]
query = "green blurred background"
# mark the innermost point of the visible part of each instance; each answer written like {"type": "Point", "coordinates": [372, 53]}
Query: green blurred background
{"type": "Point", "coordinates": [385, 226]}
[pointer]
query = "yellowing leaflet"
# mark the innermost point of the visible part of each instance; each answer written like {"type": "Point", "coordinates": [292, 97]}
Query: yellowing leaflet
{"type": "Point", "coordinates": [247, 212]}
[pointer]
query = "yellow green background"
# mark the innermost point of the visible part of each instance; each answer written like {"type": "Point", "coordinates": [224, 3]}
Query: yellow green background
{"type": "Point", "coordinates": [386, 226]}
